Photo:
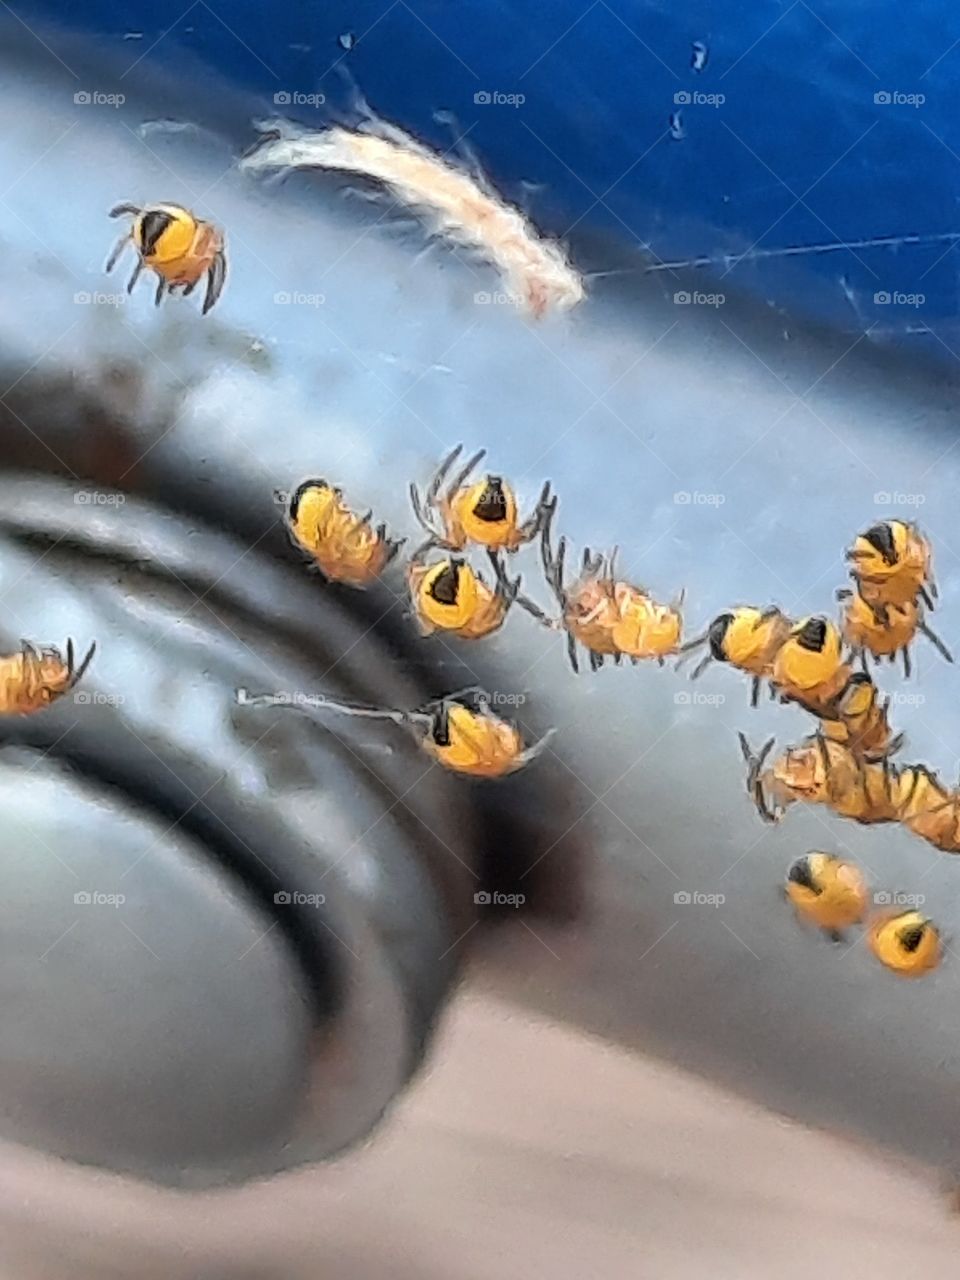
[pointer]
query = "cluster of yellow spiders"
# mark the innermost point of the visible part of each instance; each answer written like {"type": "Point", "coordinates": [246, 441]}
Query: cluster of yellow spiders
{"type": "Point", "coordinates": [460, 514]}
{"type": "Point", "coordinates": [846, 764]}
{"type": "Point", "coordinates": [815, 662]}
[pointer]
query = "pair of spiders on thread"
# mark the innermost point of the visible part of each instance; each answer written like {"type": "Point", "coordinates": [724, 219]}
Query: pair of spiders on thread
{"type": "Point", "coordinates": [822, 771]}
{"type": "Point", "coordinates": [832, 894]}
{"type": "Point", "coordinates": [459, 731]}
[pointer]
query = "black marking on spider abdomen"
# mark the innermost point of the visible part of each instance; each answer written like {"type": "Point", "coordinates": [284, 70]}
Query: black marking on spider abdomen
{"type": "Point", "coordinates": [912, 936]}
{"type": "Point", "coordinates": [440, 731]}
{"type": "Point", "coordinates": [880, 537]}
{"type": "Point", "coordinates": [152, 226]}
{"type": "Point", "coordinates": [800, 873]}
{"type": "Point", "coordinates": [813, 635]}
{"type": "Point", "coordinates": [491, 506]}
{"type": "Point", "coordinates": [445, 587]}
{"type": "Point", "coordinates": [300, 491]}
{"type": "Point", "coordinates": [717, 634]}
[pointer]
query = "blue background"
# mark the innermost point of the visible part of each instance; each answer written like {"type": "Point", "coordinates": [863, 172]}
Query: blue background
{"type": "Point", "coordinates": [798, 153]}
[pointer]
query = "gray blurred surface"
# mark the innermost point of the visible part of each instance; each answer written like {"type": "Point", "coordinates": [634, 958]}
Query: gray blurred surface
{"type": "Point", "coordinates": [110, 1046]}
{"type": "Point", "coordinates": [528, 1149]}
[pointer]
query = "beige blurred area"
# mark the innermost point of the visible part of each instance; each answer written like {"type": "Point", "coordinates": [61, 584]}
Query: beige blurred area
{"type": "Point", "coordinates": [526, 1149]}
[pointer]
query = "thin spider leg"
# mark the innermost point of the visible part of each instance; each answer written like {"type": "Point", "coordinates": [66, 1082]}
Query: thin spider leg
{"type": "Point", "coordinates": [116, 251]}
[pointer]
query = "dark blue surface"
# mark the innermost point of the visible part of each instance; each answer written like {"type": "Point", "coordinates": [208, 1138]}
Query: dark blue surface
{"type": "Point", "coordinates": [798, 153]}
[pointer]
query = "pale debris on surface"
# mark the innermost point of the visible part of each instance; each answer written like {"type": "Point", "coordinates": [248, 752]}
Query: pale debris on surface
{"type": "Point", "coordinates": [535, 270]}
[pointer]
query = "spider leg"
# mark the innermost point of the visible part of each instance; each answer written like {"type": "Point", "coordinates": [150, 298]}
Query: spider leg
{"type": "Point", "coordinates": [754, 777]}
{"type": "Point", "coordinates": [701, 667]}
{"type": "Point", "coordinates": [536, 749]}
{"type": "Point", "coordinates": [596, 660]}
{"type": "Point", "coordinates": [553, 565]}
{"type": "Point", "coordinates": [686, 649]}
{"type": "Point", "coordinates": [422, 520]}
{"type": "Point", "coordinates": [433, 492]}
{"type": "Point", "coordinates": [546, 505]}
{"type": "Point", "coordinates": [611, 574]}
{"type": "Point", "coordinates": [926, 597]}
{"type": "Point", "coordinates": [525, 603]}
{"type": "Point", "coordinates": [216, 278]}
{"type": "Point", "coordinates": [755, 691]}
{"type": "Point", "coordinates": [906, 661]}
{"type": "Point", "coordinates": [572, 653]}
{"type": "Point", "coordinates": [460, 478]}
{"type": "Point", "coordinates": [116, 251]}
{"type": "Point", "coordinates": [824, 750]}
{"type": "Point", "coordinates": [161, 286]}
{"type": "Point", "coordinates": [507, 590]}
{"type": "Point", "coordinates": [136, 274]}
{"type": "Point", "coordinates": [392, 545]}
{"type": "Point", "coordinates": [85, 661]}
{"type": "Point", "coordinates": [936, 641]}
